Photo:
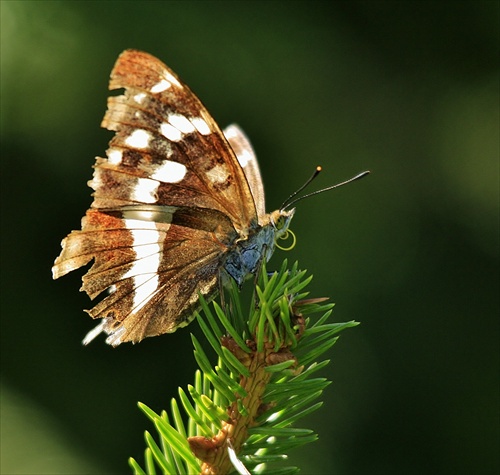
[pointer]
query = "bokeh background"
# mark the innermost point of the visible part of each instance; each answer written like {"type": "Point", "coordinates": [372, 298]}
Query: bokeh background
{"type": "Point", "coordinates": [409, 90]}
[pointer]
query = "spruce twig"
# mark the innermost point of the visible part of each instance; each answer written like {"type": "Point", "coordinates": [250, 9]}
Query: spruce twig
{"type": "Point", "coordinates": [241, 412]}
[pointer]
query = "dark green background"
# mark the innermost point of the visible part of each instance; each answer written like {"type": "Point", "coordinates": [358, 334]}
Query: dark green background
{"type": "Point", "coordinates": [408, 90]}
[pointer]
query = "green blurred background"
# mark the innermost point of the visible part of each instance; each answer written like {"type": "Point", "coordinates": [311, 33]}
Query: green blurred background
{"type": "Point", "coordinates": [406, 89]}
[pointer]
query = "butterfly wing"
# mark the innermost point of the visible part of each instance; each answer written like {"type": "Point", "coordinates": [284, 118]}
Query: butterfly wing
{"type": "Point", "coordinates": [248, 160]}
{"type": "Point", "coordinates": [165, 135]}
{"type": "Point", "coordinates": [169, 201]}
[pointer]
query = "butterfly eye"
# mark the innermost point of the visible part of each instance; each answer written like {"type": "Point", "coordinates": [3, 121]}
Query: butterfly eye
{"type": "Point", "coordinates": [280, 223]}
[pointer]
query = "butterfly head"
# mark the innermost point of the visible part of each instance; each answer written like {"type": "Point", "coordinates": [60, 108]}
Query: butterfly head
{"type": "Point", "coordinates": [280, 220]}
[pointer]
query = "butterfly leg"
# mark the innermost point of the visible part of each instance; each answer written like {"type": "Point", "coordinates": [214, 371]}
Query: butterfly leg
{"type": "Point", "coordinates": [221, 292]}
{"type": "Point", "coordinates": [256, 276]}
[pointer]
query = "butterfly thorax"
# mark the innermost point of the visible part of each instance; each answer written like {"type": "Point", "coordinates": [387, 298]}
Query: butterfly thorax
{"type": "Point", "coordinates": [245, 259]}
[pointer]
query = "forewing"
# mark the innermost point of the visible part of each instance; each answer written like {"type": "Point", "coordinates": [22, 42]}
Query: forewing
{"type": "Point", "coordinates": [246, 157]}
{"type": "Point", "coordinates": [167, 149]}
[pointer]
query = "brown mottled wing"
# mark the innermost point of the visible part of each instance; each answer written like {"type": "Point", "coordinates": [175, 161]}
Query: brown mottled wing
{"type": "Point", "coordinates": [153, 269]}
{"type": "Point", "coordinates": [164, 132]}
{"type": "Point", "coordinates": [169, 201]}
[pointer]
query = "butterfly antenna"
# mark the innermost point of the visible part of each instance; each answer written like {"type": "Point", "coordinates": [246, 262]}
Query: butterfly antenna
{"type": "Point", "coordinates": [289, 202]}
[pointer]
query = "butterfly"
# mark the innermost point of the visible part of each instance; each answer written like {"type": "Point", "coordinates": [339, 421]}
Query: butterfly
{"type": "Point", "coordinates": [178, 207]}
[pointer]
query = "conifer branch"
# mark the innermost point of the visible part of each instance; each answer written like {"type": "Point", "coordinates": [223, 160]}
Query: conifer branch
{"type": "Point", "coordinates": [241, 413]}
